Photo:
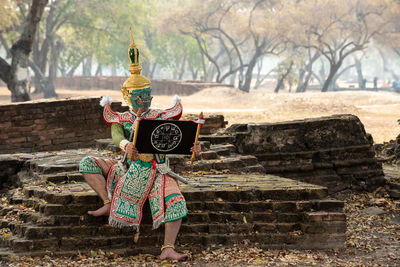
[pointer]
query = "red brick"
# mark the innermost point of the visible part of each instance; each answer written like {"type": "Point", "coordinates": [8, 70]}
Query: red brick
{"type": "Point", "coordinates": [40, 121]}
{"type": "Point", "coordinates": [5, 124]}
{"type": "Point", "coordinates": [18, 140]}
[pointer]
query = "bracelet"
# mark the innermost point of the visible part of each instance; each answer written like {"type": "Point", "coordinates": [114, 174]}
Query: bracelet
{"type": "Point", "coordinates": [167, 246]}
{"type": "Point", "coordinates": [123, 144]}
{"type": "Point", "coordinates": [107, 201]}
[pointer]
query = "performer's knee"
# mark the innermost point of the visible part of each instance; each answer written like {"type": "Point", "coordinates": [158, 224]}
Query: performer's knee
{"type": "Point", "coordinates": [88, 165]}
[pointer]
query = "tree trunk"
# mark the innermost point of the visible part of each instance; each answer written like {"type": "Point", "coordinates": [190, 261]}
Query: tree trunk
{"type": "Point", "coordinates": [40, 60]}
{"type": "Point", "coordinates": [99, 70]}
{"type": "Point", "coordinates": [146, 68]}
{"type": "Point", "coordinates": [232, 79]}
{"type": "Point", "coordinates": [249, 72]}
{"type": "Point", "coordinates": [40, 56]}
{"type": "Point", "coordinates": [182, 69]}
{"type": "Point", "coordinates": [339, 74]}
{"type": "Point", "coordinates": [283, 77]}
{"type": "Point", "coordinates": [87, 66]}
{"type": "Point", "coordinates": [113, 70]}
{"type": "Point", "coordinates": [72, 70]}
{"type": "Point", "coordinates": [153, 70]}
{"type": "Point", "coordinates": [332, 71]}
{"type": "Point", "coordinates": [279, 84]}
{"type": "Point", "coordinates": [303, 88]}
{"type": "Point", "coordinates": [20, 79]}
{"type": "Point", "coordinates": [300, 86]}
{"type": "Point", "coordinates": [18, 75]}
{"type": "Point", "coordinates": [194, 74]}
{"type": "Point", "coordinates": [50, 84]}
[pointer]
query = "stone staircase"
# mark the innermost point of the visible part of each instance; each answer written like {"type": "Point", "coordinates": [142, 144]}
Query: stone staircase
{"type": "Point", "coordinates": [48, 214]}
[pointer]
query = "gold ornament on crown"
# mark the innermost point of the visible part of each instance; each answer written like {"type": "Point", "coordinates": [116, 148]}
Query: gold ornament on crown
{"type": "Point", "coordinates": [135, 81]}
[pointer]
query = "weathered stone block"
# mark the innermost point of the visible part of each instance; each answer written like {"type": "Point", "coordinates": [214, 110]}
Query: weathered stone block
{"type": "Point", "coordinates": [264, 227]}
{"type": "Point", "coordinates": [57, 198]}
{"type": "Point", "coordinates": [321, 227]}
{"type": "Point", "coordinates": [288, 217]}
{"type": "Point", "coordinates": [206, 155]}
{"type": "Point", "coordinates": [21, 245]}
{"type": "Point", "coordinates": [324, 216]}
{"type": "Point", "coordinates": [33, 232]}
{"type": "Point", "coordinates": [329, 205]}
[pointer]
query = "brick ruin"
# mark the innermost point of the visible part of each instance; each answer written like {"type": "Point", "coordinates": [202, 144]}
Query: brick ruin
{"type": "Point", "coordinates": [52, 125]}
{"type": "Point", "coordinates": [334, 151]}
{"type": "Point", "coordinates": [233, 200]}
{"type": "Point", "coordinates": [48, 214]}
{"type": "Point", "coordinates": [159, 87]}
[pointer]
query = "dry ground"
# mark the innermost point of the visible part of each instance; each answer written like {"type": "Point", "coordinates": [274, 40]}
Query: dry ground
{"type": "Point", "coordinates": [379, 111]}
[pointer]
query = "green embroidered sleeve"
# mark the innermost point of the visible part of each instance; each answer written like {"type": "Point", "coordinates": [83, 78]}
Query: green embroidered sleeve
{"type": "Point", "coordinates": [117, 133]}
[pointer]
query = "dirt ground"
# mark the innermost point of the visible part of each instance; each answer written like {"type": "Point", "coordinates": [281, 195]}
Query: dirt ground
{"type": "Point", "coordinates": [379, 111]}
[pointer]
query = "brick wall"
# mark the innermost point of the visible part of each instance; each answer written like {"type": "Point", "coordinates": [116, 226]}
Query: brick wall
{"type": "Point", "coordinates": [159, 87]}
{"type": "Point", "coordinates": [52, 125]}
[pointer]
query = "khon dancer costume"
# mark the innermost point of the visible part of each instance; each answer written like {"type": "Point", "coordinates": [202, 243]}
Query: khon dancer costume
{"type": "Point", "coordinates": [146, 177]}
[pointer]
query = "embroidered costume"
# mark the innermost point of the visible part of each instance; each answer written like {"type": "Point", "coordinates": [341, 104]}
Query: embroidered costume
{"type": "Point", "coordinates": [144, 180]}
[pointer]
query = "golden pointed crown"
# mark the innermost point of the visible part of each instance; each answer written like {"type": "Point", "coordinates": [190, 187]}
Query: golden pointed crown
{"type": "Point", "coordinates": [135, 81]}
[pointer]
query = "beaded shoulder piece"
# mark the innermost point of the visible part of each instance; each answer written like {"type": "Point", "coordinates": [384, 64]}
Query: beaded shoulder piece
{"type": "Point", "coordinates": [111, 116]}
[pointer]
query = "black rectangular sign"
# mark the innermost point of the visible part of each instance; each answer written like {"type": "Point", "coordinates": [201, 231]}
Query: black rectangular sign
{"type": "Point", "coordinates": [166, 136]}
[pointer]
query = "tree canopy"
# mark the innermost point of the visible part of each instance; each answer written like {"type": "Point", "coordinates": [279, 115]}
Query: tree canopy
{"type": "Point", "coordinates": [225, 41]}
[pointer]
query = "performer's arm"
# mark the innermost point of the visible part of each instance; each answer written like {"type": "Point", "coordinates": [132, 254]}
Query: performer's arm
{"type": "Point", "coordinates": [117, 134]}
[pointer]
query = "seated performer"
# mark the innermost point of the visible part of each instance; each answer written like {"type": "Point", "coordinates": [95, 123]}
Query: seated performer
{"type": "Point", "coordinates": [124, 191]}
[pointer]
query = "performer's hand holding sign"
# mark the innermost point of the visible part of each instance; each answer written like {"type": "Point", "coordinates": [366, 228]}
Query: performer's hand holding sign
{"type": "Point", "coordinates": [131, 150]}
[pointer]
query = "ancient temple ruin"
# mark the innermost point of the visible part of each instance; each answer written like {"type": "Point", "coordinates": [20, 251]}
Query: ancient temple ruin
{"type": "Point", "coordinates": [264, 185]}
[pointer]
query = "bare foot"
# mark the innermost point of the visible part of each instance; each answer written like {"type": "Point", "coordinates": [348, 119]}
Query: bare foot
{"type": "Point", "coordinates": [103, 211]}
{"type": "Point", "coordinates": [169, 253]}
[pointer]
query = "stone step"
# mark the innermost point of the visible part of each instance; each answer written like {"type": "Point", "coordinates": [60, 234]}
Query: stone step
{"type": "Point", "coordinates": [195, 215]}
{"type": "Point", "coordinates": [232, 164]}
{"type": "Point", "coordinates": [266, 239]}
{"type": "Point", "coordinates": [255, 169]}
{"type": "Point", "coordinates": [62, 220]}
{"type": "Point", "coordinates": [193, 206]}
{"type": "Point", "coordinates": [266, 206]}
{"type": "Point", "coordinates": [394, 193]}
{"type": "Point", "coordinates": [393, 185]}
{"type": "Point", "coordinates": [33, 232]}
{"type": "Point", "coordinates": [248, 159]}
{"type": "Point", "coordinates": [224, 150]}
{"type": "Point", "coordinates": [207, 155]}
{"type": "Point", "coordinates": [208, 188]}
{"type": "Point", "coordinates": [18, 244]}
{"type": "Point", "coordinates": [217, 140]}
{"type": "Point", "coordinates": [205, 145]}
{"type": "Point", "coordinates": [66, 177]}
{"type": "Point", "coordinates": [47, 168]}
{"type": "Point", "coordinates": [106, 144]}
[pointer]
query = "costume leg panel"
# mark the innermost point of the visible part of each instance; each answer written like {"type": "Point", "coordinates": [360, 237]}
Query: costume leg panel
{"type": "Point", "coordinates": [96, 165]}
{"type": "Point", "coordinates": [175, 204]}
